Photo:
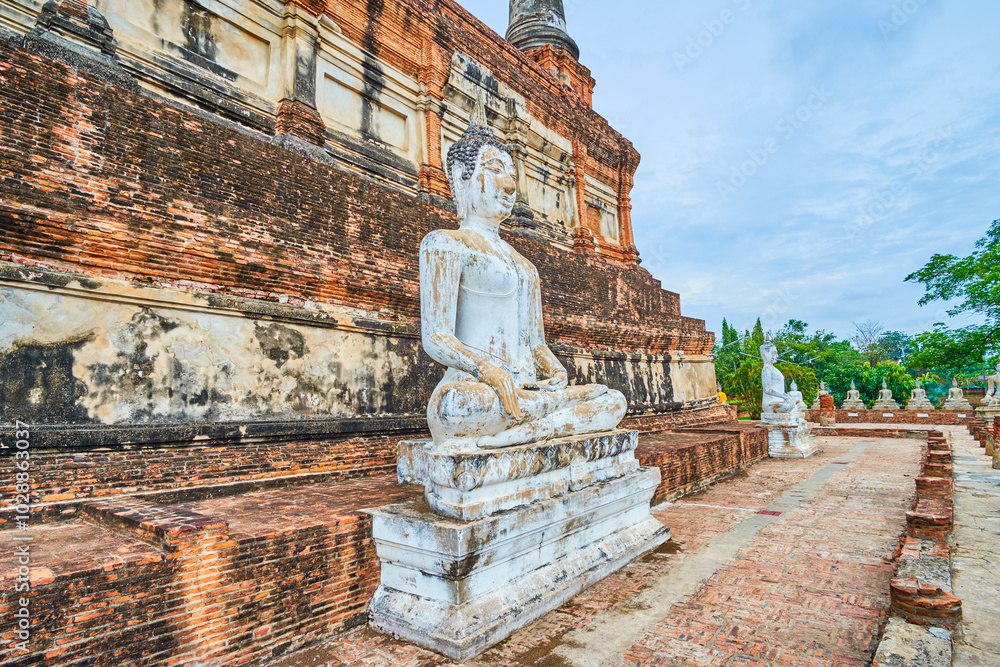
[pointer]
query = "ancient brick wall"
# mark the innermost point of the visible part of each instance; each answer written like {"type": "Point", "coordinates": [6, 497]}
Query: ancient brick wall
{"type": "Point", "coordinates": [61, 477]}
{"type": "Point", "coordinates": [170, 584]}
{"type": "Point", "coordinates": [228, 580]}
{"type": "Point", "coordinates": [691, 459]}
{"type": "Point", "coordinates": [382, 87]}
{"type": "Point", "coordinates": [901, 416]}
{"type": "Point", "coordinates": [201, 234]}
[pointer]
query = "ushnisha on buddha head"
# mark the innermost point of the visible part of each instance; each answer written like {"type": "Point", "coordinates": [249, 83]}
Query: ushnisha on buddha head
{"type": "Point", "coordinates": [481, 172]}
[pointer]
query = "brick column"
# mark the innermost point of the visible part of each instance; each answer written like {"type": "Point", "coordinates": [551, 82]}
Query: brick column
{"type": "Point", "coordinates": [432, 179]}
{"type": "Point", "coordinates": [78, 22]}
{"type": "Point", "coordinates": [627, 166]}
{"type": "Point", "coordinates": [297, 112]}
{"type": "Point", "coordinates": [584, 238]}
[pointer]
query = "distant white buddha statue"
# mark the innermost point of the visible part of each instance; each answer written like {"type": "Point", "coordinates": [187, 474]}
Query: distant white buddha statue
{"type": "Point", "coordinates": [956, 398]}
{"type": "Point", "coordinates": [854, 401]}
{"type": "Point", "coordinates": [797, 395]}
{"type": "Point", "coordinates": [992, 399]}
{"type": "Point", "coordinates": [885, 399]}
{"type": "Point", "coordinates": [990, 408]}
{"type": "Point", "coordinates": [918, 400]}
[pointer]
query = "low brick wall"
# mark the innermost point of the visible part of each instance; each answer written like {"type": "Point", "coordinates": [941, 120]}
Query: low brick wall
{"type": "Point", "coordinates": [901, 416]}
{"type": "Point", "coordinates": [61, 479]}
{"type": "Point", "coordinates": [886, 432]}
{"type": "Point", "coordinates": [691, 459]}
{"type": "Point", "coordinates": [925, 604]}
{"type": "Point", "coordinates": [660, 422]}
{"type": "Point", "coordinates": [176, 585]}
{"type": "Point", "coordinates": [921, 592]}
{"type": "Point", "coordinates": [242, 579]}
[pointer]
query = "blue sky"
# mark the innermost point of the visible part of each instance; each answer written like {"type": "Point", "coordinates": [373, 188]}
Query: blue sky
{"type": "Point", "coordinates": [799, 159]}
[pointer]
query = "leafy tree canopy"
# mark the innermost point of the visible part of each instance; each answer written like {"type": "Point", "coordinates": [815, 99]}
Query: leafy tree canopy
{"type": "Point", "coordinates": [974, 282]}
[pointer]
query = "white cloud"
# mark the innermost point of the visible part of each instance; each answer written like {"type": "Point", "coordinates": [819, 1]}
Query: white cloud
{"type": "Point", "coordinates": [796, 231]}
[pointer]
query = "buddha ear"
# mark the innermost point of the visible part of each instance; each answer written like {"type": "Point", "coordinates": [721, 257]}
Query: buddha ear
{"type": "Point", "coordinates": [459, 190]}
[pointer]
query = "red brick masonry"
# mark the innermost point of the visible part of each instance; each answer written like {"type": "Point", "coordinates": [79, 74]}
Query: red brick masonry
{"type": "Point", "coordinates": [248, 577]}
{"type": "Point", "coordinates": [920, 601]}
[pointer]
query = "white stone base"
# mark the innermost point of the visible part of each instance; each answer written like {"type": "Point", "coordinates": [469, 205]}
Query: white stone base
{"type": "Point", "coordinates": [788, 439]}
{"type": "Point", "coordinates": [918, 406]}
{"type": "Point", "coordinates": [988, 412]}
{"type": "Point", "coordinates": [459, 587]}
{"type": "Point", "coordinates": [472, 485]}
{"type": "Point", "coordinates": [854, 407]}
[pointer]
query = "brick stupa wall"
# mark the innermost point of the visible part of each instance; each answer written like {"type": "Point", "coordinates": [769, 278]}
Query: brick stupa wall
{"type": "Point", "coordinates": [188, 303]}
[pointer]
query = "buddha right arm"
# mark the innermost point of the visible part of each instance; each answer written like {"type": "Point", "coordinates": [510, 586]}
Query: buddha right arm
{"type": "Point", "coordinates": [440, 276]}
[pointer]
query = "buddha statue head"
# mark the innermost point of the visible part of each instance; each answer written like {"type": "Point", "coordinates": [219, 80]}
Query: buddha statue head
{"type": "Point", "coordinates": [769, 353]}
{"type": "Point", "coordinates": [481, 172]}
{"type": "Point", "coordinates": [954, 383]}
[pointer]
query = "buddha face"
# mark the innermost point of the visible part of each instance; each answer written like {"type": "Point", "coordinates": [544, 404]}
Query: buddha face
{"type": "Point", "coordinates": [769, 353]}
{"type": "Point", "coordinates": [489, 194]}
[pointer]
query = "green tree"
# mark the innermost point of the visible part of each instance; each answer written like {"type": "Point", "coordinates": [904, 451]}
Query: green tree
{"type": "Point", "coordinates": [820, 350]}
{"type": "Point", "coordinates": [727, 356]}
{"type": "Point", "coordinates": [974, 282]}
{"type": "Point", "coordinates": [945, 349]}
{"type": "Point", "coordinates": [897, 345]}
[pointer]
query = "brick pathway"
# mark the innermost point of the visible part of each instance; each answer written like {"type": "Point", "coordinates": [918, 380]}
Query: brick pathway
{"type": "Point", "coordinates": [804, 583]}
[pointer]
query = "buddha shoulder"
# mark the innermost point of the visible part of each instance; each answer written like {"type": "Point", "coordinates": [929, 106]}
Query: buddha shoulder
{"type": "Point", "coordinates": [459, 241]}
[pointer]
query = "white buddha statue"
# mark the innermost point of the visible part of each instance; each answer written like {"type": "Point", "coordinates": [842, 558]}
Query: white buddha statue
{"type": "Point", "coordinates": [956, 398]}
{"type": "Point", "coordinates": [992, 399]}
{"type": "Point", "coordinates": [918, 400]}
{"type": "Point", "coordinates": [853, 401]}
{"type": "Point", "coordinates": [481, 316]}
{"type": "Point", "coordinates": [885, 399]}
{"type": "Point", "coordinates": [775, 400]}
{"type": "Point", "coordinates": [797, 395]}
{"type": "Point", "coordinates": [788, 433]}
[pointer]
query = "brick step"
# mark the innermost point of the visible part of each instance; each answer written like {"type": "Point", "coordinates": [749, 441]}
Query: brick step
{"type": "Point", "coordinates": [939, 456]}
{"type": "Point", "coordinates": [931, 488]}
{"type": "Point", "coordinates": [924, 603]}
{"type": "Point", "coordinates": [62, 480]}
{"type": "Point", "coordinates": [945, 470]}
{"type": "Point", "coordinates": [930, 518]}
{"type": "Point", "coordinates": [219, 581]}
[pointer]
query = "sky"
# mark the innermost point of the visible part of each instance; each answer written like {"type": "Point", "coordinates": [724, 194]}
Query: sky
{"type": "Point", "coordinates": [799, 159]}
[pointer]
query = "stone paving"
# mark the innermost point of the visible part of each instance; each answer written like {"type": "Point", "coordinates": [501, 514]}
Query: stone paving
{"type": "Point", "coordinates": [975, 548]}
{"type": "Point", "coordinates": [787, 564]}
